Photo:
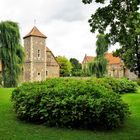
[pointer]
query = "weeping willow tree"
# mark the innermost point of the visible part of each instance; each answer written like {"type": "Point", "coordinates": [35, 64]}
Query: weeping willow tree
{"type": "Point", "coordinates": [11, 53]}
{"type": "Point", "coordinates": [98, 66]}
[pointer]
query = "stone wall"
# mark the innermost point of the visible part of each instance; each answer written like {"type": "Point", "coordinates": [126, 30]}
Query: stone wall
{"type": "Point", "coordinates": [113, 70]}
{"type": "Point", "coordinates": [52, 65]}
{"type": "Point", "coordinates": [39, 59]}
{"type": "Point", "coordinates": [27, 48]}
{"type": "Point", "coordinates": [38, 71]}
{"type": "Point", "coordinates": [52, 71]}
{"type": "Point", "coordinates": [38, 49]}
{"type": "Point", "coordinates": [27, 72]}
{"type": "Point", "coordinates": [132, 75]}
{"type": "Point", "coordinates": [35, 62]}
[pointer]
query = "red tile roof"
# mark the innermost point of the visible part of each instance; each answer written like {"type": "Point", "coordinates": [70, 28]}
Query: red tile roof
{"type": "Point", "coordinates": [108, 56]}
{"type": "Point", "coordinates": [35, 32]}
{"type": "Point", "coordinates": [89, 58]}
{"type": "Point", "coordinates": [112, 59]}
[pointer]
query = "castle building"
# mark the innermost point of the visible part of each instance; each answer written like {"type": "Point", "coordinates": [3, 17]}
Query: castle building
{"type": "Point", "coordinates": [40, 63]}
{"type": "Point", "coordinates": [115, 67]}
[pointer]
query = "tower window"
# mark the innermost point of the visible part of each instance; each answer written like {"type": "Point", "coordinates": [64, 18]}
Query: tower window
{"type": "Point", "coordinates": [38, 53]}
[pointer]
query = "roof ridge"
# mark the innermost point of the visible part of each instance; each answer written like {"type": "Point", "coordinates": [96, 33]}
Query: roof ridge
{"type": "Point", "coordinates": [35, 32]}
{"type": "Point", "coordinates": [109, 56]}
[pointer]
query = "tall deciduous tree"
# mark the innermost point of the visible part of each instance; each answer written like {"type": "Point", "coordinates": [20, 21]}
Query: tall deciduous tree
{"type": "Point", "coordinates": [99, 64]}
{"type": "Point", "coordinates": [76, 67]}
{"type": "Point", "coordinates": [65, 66]}
{"type": "Point", "coordinates": [122, 18]}
{"type": "Point", "coordinates": [11, 53]}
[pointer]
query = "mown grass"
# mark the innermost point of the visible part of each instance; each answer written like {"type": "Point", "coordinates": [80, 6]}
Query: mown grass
{"type": "Point", "coordinates": [13, 129]}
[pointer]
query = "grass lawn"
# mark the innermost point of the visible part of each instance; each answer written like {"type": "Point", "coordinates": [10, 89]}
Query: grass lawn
{"type": "Point", "coordinates": [12, 129]}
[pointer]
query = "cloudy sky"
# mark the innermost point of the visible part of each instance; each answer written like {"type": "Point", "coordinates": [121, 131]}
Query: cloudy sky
{"type": "Point", "coordinates": [64, 22]}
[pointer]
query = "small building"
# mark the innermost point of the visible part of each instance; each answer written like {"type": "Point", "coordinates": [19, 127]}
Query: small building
{"type": "Point", "coordinates": [40, 63]}
{"type": "Point", "coordinates": [115, 67]}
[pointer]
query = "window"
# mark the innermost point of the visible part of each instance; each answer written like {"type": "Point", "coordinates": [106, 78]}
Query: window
{"type": "Point", "coordinates": [38, 74]}
{"type": "Point", "coordinates": [46, 73]}
{"type": "Point", "coordinates": [38, 53]}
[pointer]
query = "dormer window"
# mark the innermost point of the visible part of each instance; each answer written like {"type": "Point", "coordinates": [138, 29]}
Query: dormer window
{"type": "Point", "coordinates": [38, 53]}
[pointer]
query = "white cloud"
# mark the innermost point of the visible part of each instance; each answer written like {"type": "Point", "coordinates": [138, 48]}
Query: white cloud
{"type": "Point", "coordinates": [73, 39]}
{"type": "Point", "coordinates": [64, 22]}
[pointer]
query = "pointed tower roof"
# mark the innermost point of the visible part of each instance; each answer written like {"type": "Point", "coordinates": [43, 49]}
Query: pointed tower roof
{"type": "Point", "coordinates": [35, 32]}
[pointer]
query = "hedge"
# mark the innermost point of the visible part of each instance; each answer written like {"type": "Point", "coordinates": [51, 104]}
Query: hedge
{"type": "Point", "coordinates": [71, 103]}
{"type": "Point", "coordinates": [120, 86]}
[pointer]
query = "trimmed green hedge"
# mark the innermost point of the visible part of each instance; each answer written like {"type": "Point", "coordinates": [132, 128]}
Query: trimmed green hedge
{"type": "Point", "coordinates": [120, 86]}
{"type": "Point", "coordinates": [71, 103]}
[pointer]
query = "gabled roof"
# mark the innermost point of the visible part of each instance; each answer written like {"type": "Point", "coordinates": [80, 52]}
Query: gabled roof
{"type": "Point", "coordinates": [87, 59]}
{"type": "Point", "coordinates": [48, 50]}
{"type": "Point", "coordinates": [35, 32]}
{"type": "Point", "coordinates": [111, 59]}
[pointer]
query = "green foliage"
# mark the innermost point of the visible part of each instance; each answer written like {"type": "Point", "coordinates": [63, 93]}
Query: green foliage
{"type": "Point", "coordinates": [102, 45]}
{"type": "Point", "coordinates": [85, 71]}
{"type": "Point", "coordinates": [138, 81]}
{"type": "Point", "coordinates": [130, 52]}
{"type": "Point", "coordinates": [1, 80]}
{"type": "Point", "coordinates": [72, 103]}
{"type": "Point", "coordinates": [123, 19]}
{"type": "Point", "coordinates": [13, 129]}
{"type": "Point", "coordinates": [11, 53]}
{"type": "Point", "coordinates": [99, 64]}
{"type": "Point", "coordinates": [65, 66]}
{"type": "Point", "coordinates": [118, 85]}
{"type": "Point", "coordinates": [76, 67]}
{"type": "Point", "coordinates": [98, 67]}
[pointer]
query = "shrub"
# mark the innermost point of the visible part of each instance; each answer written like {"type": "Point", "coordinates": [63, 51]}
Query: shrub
{"type": "Point", "coordinates": [70, 103]}
{"type": "Point", "coordinates": [138, 81]}
{"type": "Point", "coordinates": [1, 80]}
{"type": "Point", "coordinates": [122, 85]}
{"type": "Point", "coordinates": [127, 86]}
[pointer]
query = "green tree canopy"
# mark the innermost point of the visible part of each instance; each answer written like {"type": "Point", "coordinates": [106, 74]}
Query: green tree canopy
{"type": "Point", "coordinates": [99, 64]}
{"type": "Point", "coordinates": [65, 66]}
{"type": "Point", "coordinates": [11, 53]}
{"type": "Point", "coordinates": [76, 67]}
{"type": "Point", "coordinates": [120, 19]}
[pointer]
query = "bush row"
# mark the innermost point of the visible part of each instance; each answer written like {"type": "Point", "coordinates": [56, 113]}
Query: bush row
{"type": "Point", "coordinates": [73, 103]}
{"type": "Point", "coordinates": [117, 85]}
